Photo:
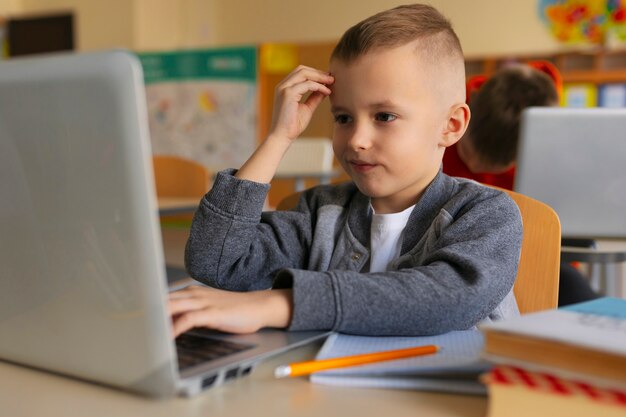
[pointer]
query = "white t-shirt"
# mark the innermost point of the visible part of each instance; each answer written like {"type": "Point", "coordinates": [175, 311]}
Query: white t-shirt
{"type": "Point", "coordinates": [386, 238]}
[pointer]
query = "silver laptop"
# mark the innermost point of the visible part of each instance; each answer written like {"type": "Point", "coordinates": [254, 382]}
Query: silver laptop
{"type": "Point", "coordinates": [575, 161]}
{"type": "Point", "coordinates": [82, 276]}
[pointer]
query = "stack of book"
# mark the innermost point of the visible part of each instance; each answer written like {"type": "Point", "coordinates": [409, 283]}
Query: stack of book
{"type": "Point", "coordinates": [566, 362]}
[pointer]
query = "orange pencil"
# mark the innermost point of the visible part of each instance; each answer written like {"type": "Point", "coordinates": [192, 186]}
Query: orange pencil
{"type": "Point", "coordinates": [305, 368]}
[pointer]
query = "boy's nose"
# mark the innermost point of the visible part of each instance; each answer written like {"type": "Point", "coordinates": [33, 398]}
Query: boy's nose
{"type": "Point", "coordinates": [360, 138]}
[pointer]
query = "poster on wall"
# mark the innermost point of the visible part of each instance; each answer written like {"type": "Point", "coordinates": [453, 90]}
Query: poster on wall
{"type": "Point", "coordinates": [202, 104]}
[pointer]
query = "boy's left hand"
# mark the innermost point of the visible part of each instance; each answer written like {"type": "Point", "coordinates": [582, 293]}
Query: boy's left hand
{"type": "Point", "coordinates": [232, 312]}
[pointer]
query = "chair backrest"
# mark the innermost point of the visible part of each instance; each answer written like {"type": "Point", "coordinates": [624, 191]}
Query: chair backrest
{"type": "Point", "coordinates": [537, 283]}
{"type": "Point", "coordinates": [180, 177]}
{"type": "Point", "coordinates": [289, 202]}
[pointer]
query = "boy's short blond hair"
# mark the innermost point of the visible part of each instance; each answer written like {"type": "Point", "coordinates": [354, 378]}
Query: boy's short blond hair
{"type": "Point", "coordinates": [396, 27]}
{"type": "Point", "coordinates": [438, 43]}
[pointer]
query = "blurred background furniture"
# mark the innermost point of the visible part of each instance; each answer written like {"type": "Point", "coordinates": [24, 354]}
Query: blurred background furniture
{"type": "Point", "coordinates": [180, 185]}
{"type": "Point", "coordinates": [573, 160]}
{"type": "Point", "coordinates": [308, 158]}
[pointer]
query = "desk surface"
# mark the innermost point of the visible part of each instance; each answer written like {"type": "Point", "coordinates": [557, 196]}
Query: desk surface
{"type": "Point", "coordinates": [32, 393]}
{"type": "Point", "coordinates": [606, 251]}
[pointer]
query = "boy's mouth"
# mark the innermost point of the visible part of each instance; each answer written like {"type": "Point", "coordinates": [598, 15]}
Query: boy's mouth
{"type": "Point", "coordinates": [361, 166]}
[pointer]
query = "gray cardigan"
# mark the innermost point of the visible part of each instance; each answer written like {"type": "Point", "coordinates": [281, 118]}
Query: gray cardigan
{"type": "Point", "coordinates": [457, 266]}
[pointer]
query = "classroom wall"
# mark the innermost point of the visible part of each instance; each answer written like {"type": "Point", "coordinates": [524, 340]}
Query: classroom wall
{"type": "Point", "coordinates": [10, 6]}
{"type": "Point", "coordinates": [98, 24]}
{"type": "Point", "coordinates": [140, 25]}
{"type": "Point", "coordinates": [485, 26]}
{"type": "Point", "coordinates": [167, 24]}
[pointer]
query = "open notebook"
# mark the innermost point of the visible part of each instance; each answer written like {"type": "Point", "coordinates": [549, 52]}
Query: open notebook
{"type": "Point", "coordinates": [454, 369]}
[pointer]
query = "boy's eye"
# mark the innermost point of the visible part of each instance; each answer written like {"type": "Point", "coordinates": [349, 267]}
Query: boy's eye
{"type": "Point", "coordinates": [342, 119]}
{"type": "Point", "coordinates": [385, 117]}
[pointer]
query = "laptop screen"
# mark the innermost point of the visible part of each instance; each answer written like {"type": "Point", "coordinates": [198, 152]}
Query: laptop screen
{"type": "Point", "coordinates": [82, 273]}
{"type": "Point", "coordinates": [575, 161]}
{"type": "Point", "coordinates": [82, 277]}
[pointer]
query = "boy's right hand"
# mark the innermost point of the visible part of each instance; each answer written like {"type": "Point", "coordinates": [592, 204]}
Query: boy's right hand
{"type": "Point", "coordinates": [228, 311]}
{"type": "Point", "coordinates": [291, 114]}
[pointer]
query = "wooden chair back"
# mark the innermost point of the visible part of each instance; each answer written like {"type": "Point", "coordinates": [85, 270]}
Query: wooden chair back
{"type": "Point", "coordinates": [537, 283]}
{"type": "Point", "coordinates": [180, 177]}
{"type": "Point", "coordinates": [289, 202]}
{"type": "Point", "coordinates": [177, 177]}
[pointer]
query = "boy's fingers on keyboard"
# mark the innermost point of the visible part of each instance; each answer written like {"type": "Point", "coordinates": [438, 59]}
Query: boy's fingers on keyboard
{"type": "Point", "coordinates": [194, 318]}
{"type": "Point", "coordinates": [185, 304]}
{"type": "Point", "coordinates": [228, 311]}
{"type": "Point", "coordinates": [184, 322]}
{"type": "Point", "coordinates": [216, 319]}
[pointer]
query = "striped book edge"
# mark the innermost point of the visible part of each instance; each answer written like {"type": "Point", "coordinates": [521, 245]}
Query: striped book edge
{"type": "Point", "coordinates": [550, 384]}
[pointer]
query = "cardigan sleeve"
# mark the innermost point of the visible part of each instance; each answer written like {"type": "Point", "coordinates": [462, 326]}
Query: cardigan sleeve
{"type": "Point", "coordinates": [234, 245]}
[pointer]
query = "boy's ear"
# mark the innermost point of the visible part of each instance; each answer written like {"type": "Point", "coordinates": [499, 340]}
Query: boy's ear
{"type": "Point", "coordinates": [456, 123]}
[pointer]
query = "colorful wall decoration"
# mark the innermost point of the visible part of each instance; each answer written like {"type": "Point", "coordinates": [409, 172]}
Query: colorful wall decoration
{"type": "Point", "coordinates": [585, 21]}
{"type": "Point", "coordinates": [202, 104]}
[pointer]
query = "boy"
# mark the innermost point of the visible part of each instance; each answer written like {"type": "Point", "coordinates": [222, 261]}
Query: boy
{"type": "Point", "coordinates": [488, 150]}
{"type": "Point", "coordinates": [401, 250]}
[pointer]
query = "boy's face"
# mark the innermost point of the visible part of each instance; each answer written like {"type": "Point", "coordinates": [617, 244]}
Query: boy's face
{"type": "Point", "coordinates": [390, 125]}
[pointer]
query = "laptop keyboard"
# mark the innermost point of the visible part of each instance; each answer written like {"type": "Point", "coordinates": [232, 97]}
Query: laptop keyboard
{"type": "Point", "coordinates": [194, 348]}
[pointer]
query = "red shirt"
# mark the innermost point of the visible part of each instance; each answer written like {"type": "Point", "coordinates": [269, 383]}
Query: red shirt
{"type": "Point", "coordinates": [455, 167]}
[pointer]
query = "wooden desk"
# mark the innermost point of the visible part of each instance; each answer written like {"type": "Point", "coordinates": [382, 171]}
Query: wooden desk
{"type": "Point", "coordinates": [31, 393]}
{"type": "Point", "coordinates": [177, 205]}
{"type": "Point", "coordinates": [606, 263]}
{"type": "Point", "coordinates": [606, 251]}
